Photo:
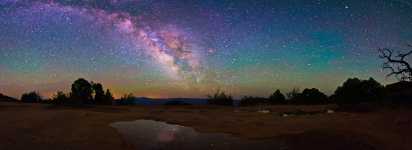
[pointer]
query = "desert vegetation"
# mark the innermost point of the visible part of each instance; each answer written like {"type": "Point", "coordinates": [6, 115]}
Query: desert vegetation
{"type": "Point", "coordinates": [353, 91]}
{"type": "Point", "coordinates": [31, 97]}
{"type": "Point", "coordinates": [127, 99]}
{"type": "Point", "coordinates": [220, 98]}
{"type": "Point", "coordinates": [82, 92]}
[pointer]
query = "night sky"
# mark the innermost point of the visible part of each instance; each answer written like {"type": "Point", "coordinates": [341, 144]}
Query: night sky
{"type": "Point", "coordinates": [190, 48]}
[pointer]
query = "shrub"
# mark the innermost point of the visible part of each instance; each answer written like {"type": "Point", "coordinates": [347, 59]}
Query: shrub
{"type": "Point", "coordinates": [312, 97]}
{"type": "Point", "coordinates": [127, 99]}
{"type": "Point", "coordinates": [307, 97]}
{"type": "Point", "coordinates": [250, 101]}
{"type": "Point", "coordinates": [277, 98]}
{"type": "Point", "coordinates": [220, 98]}
{"type": "Point", "coordinates": [31, 97]}
{"type": "Point", "coordinates": [108, 97]}
{"type": "Point", "coordinates": [293, 94]}
{"type": "Point", "coordinates": [355, 91]}
{"type": "Point", "coordinates": [60, 98]}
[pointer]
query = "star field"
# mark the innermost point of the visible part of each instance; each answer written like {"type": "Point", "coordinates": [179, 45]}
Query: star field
{"type": "Point", "coordinates": [163, 48]}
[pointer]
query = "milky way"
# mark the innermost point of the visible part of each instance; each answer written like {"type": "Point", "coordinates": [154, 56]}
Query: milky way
{"type": "Point", "coordinates": [167, 45]}
{"type": "Point", "coordinates": [163, 48]}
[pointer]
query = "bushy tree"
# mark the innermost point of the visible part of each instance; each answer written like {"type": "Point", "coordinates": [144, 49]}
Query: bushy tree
{"type": "Point", "coordinates": [31, 97]}
{"type": "Point", "coordinates": [250, 101]}
{"type": "Point", "coordinates": [355, 91]}
{"type": "Point", "coordinates": [311, 97]}
{"type": "Point", "coordinates": [82, 91]}
{"type": "Point", "coordinates": [99, 96]}
{"type": "Point", "coordinates": [60, 98]}
{"type": "Point", "coordinates": [220, 98]}
{"type": "Point", "coordinates": [277, 98]}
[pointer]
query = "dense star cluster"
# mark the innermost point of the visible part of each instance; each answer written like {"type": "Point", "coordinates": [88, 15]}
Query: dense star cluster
{"type": "Point", "coordinates": [163, 48]}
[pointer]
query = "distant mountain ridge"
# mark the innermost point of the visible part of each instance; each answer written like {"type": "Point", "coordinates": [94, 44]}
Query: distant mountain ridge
{"type": "Point", "coordinates": [4, 98]}
{"type": "Point", "coordinates": [171, 101]}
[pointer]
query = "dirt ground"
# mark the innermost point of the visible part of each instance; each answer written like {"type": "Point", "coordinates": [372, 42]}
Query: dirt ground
{"type": "Point", "coordinates": [40, 126]}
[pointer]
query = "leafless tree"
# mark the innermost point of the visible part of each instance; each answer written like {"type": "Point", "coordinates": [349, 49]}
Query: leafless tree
{"type": "Point", "coordinates": [397, 63]}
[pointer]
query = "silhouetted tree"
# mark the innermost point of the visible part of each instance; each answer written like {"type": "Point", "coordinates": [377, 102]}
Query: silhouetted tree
{"type": "Point", "coordinates": [277, 98]}
{"type": "Point", "coordinates": [355, 91]}
{"type": "Point", "coordinates": [250, 101]}
{"type": "Point", "coordinates": [99, 96]}
{"type": "Point", "coordinates": [294, 93]}
{"type": "Point", "coordinates": [108, 97]}
{"type": "Point", "coordinates": [60, 98]}
{"type": "Point", "coordinates": [311, 97]}
{"type": "Point", "coordinates": [220, 98]}
{"type": "Point", "coordinates": [82, 92]}
{"type": "Point", "coordinates": [397, 64]}
{"type": "Point", "coordinates": [31, 97]}
{"type": "Point", "coordinates": [127, 99]}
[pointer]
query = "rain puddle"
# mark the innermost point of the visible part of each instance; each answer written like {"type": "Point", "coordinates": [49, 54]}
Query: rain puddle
{"type": "Point", "coordinates": [155, 135]}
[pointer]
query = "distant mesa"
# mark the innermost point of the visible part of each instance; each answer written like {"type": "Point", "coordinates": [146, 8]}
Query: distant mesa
{"type": "Point", "coordinates": [4, 98]}
{"type": "Point", "coordinates": [168, 101]}
{"type": "Point", "coordinates": [176, 102]}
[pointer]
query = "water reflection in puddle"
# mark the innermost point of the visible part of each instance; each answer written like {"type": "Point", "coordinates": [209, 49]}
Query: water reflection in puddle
{"type": "Point", "coordinates": [154, 135]}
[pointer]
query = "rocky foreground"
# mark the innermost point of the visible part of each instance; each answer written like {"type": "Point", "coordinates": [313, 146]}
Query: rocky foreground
{"type": "Point", "coordinates": [40, 126]}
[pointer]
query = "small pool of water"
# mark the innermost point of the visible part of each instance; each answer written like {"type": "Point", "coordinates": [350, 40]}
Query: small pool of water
{"type": "Point", "coordinates": [156, 135]}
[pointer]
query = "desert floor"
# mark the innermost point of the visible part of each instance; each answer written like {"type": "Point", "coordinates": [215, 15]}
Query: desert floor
{"type": "Point", "coordinates": [41, 126]}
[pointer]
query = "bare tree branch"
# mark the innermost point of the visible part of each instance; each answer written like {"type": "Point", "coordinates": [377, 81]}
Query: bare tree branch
{"type": "Point", "coordinates": [396, 64]}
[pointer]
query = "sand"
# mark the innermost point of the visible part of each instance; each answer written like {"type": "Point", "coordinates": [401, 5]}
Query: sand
{"type": "Point", "coordinates": [41, 126]}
